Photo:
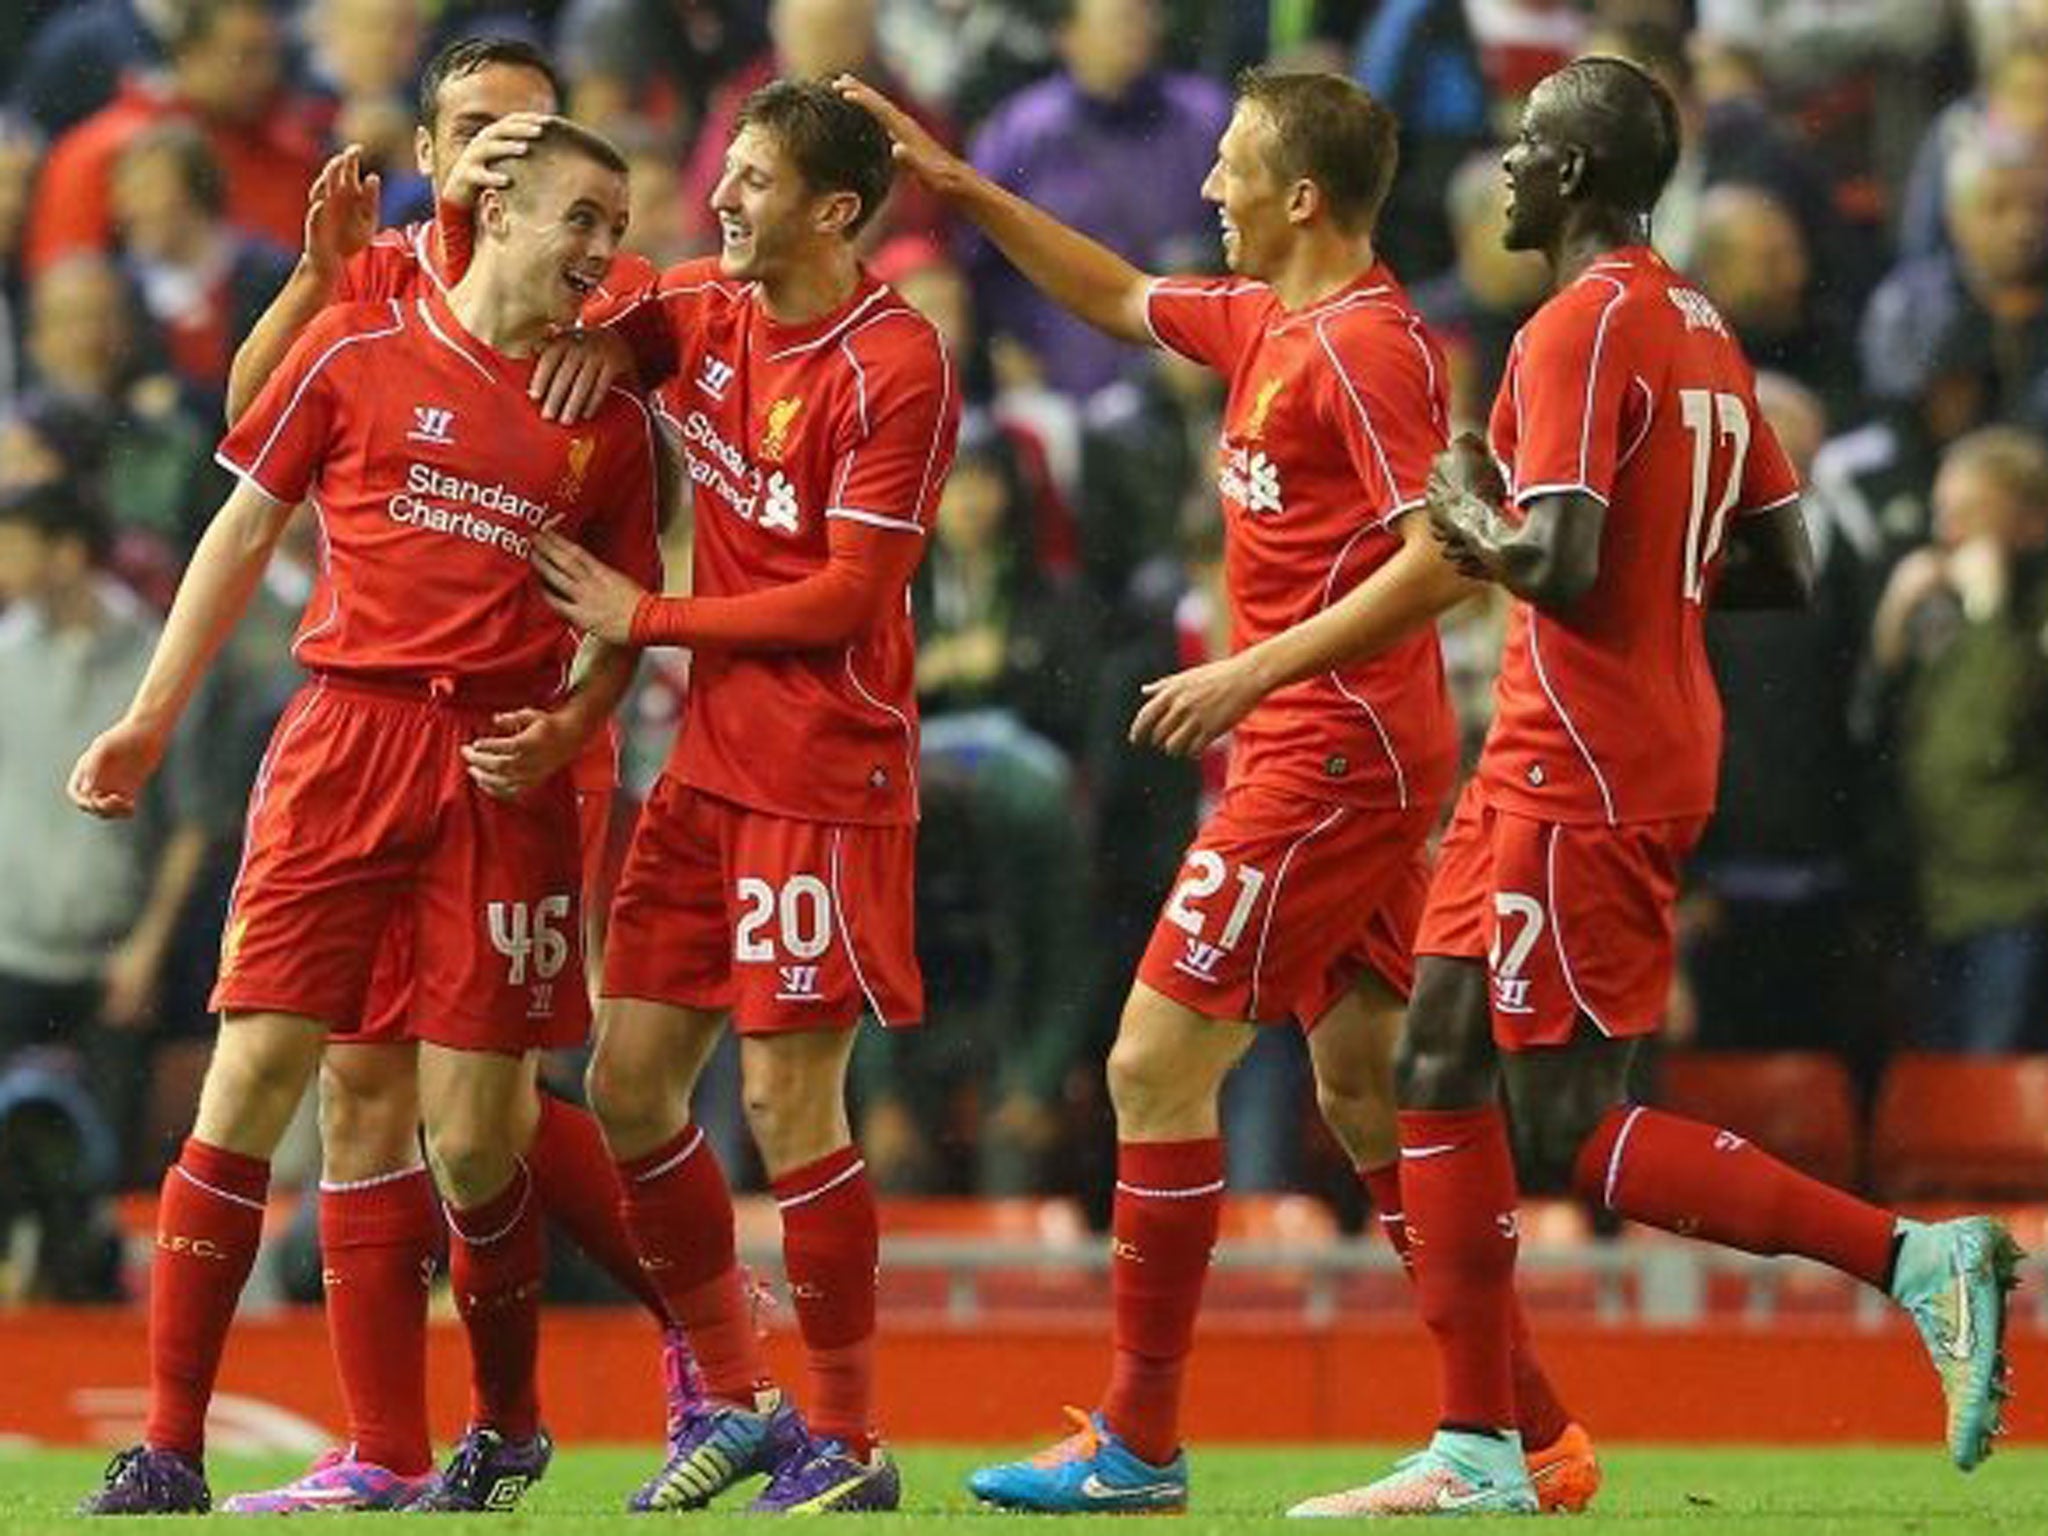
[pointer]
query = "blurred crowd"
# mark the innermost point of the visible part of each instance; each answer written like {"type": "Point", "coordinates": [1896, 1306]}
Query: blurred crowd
{"type": "Point", "coordinates": [1864, 194]}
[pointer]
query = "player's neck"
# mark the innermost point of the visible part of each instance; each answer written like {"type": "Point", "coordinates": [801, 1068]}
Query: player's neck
{"type": "Point", "coordinates": [1319, 265]}
{"type": "Point", "coordinates": [1600, 233]}
{"type": "Point", "coordinates": [496, 315]}
{"type": "Point", "coordinates": [804, 291]}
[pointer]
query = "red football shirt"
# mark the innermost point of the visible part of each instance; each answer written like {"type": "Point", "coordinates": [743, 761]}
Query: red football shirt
{"type": "Point", "coordinates": [1626, 386]}
{"type": "Point", "coordinates": [429, 469]}
{"type": "Point", "coordinates": [1334, 414]}
{"type": "Point", "coordinates": [781, 428]}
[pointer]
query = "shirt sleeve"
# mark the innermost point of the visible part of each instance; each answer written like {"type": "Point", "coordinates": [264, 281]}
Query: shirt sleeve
{"type": "Point", "coordinates": [1572, 385]}
{"type": "Point", "coordinates": [280, 442]}
{"type": "Point", "coordinates": [1207, 320]}
{"type": "Point", "coordinates": [1385, 400]}
{"type": "Point", "coordinates": [897, 444]}
{"type": "Point", "coordinates": [1768, 479]}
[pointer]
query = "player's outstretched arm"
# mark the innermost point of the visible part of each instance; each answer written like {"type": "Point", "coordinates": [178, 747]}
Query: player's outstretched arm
{"type": "Point", "coordinates": [1769, 563]}
{"type": "Point", "coordinates": [1076, 273]}
{"type": "Point", "coordinates": [224, 572]}
{"type": "Point", "coordinates": [1183, 714]}
{"type": "Point", "coordinates": [341, 216]}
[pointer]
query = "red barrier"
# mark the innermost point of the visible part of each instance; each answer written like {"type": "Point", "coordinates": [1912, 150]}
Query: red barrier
{"type": "Point", "coordinates": [76, 1378]}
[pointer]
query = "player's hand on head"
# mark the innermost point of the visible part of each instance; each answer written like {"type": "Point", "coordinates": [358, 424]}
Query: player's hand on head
{"type": "Point", "coordinates": [915, 149]}
{"type": "Point", "coordinates": [111, 773]}
{"type": "Point", "coordinates": [341, 212]}
{"type": "Point", "coordinates": [1185, 713]}
{"type": "Point", "coordinates": [574, 370]}
{"type": "Point", "coordinates": [585, 591]}
{"type": "Point", "coordinates": [482, 163]}
{"type": "Point", "coordinates": [529, 747]}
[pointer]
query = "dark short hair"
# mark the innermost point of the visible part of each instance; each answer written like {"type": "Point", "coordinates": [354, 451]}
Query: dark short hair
{"type": "Point", "coordinates": [837, 146]}
{"type": "Point", "coordinates": [193, 156]}
{"type": "Point", "coordinates": [1330, 131]}
{"type": "Point", "coordinates": [467, 55]}
{"type": "Point", "coordinates": [1627, 121]}
{"type": "Point", "coordinates": [61, 509]}
{"type": "Point", "coordinates": [565, 136]}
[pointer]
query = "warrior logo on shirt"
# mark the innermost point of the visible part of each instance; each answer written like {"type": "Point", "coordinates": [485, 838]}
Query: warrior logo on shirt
{"type": "Point", "coordinates": [775, 437]}
{"type": "Point", "coordinates": [432, 424]}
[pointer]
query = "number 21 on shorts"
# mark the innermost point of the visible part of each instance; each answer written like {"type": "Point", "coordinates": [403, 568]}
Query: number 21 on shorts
{"type": "Point", "coordinates": [1207, 874]}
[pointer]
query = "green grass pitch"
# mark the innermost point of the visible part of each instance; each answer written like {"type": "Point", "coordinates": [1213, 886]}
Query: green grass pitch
{"type": "Point", "coordinates": [1650, 1491]}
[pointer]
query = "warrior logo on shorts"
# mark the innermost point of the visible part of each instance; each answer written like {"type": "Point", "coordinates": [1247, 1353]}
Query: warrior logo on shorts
{"type": "Point", "coordinates": [799, 984]}
{"type": "Point", "coordinates": [1200, 959]}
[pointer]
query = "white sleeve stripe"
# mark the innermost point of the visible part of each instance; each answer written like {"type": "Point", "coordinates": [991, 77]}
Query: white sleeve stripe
{"type": "Point", "coordinates": [1403, 510]}
{"type": "Point", "coordinates": [312, 373]}
{"type": "Point", "coordinates": [1771, 506]}
{"type": "Point", "coordinates": [875, 519]}
{"type": "Point", "coordinates": [1557, 488]}
{"type": "Point", "coordinates": [1593, 375]}
{"type": "Point", "coordinates": [925, 488]}
{"type": "Point", "coordinates": [240, 473]}
{"type": "Point", "coordinates": [653, 463]}
{"type": "Point", "coordinates": [1157, 287]}
{"type": "Point", "coordinates": [1393, 491]}
{"type": "Point", "coordinates": [860, 386]}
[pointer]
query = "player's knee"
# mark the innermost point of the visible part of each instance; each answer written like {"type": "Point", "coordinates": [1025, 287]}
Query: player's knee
{"type": "Point", "coordinates": [472, 1160]}
{"type": "Point", "coordinates": [626, 1099]}
{"type": "Point", "coordinates": [1360, 1114]}
{"type": "Point", "coordinates": [250, 1094]}
{"type": "Point", "coordinates": [370, 1124]}
{"type": "Point", "coordinates": [1142, 1086]}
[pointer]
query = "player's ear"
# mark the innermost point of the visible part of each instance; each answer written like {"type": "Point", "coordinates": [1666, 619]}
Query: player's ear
{"type": "Point", "coordinates": [423, 151]}
{"type": "Point", "coordinates": [493, 216]}
{"type": "Point", "coordinates": [1574, 170]}
{"type": "Point", "coordinates": [1304, 198]}
{"type": "Point", "coordinates": [835, 211]}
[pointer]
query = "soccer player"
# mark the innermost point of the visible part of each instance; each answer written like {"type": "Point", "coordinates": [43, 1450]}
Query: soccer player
{"type": "Point", "coordinates": [380, 1228]}
{"type": "Point", "coordinates": [1298, 899]}
{"type": "Point", "coordinates": [406, 424]}
{"type": "Point", "coordinates": [769, 880]}
{"type": "Point", "coordinates": [1635, 459]}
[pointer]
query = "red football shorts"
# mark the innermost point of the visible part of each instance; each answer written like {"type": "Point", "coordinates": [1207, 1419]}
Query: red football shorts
{"type": "Point", "coordinates": [363, 818]}
{"type": "Point", "coordinates": [1569, 919]}
{"type": "Point", "coordinates": [1283, 902]}
{"type": "Point", "coordinates": [788, 924]}
{"type": "Point", "coordinates": [389, 1006]}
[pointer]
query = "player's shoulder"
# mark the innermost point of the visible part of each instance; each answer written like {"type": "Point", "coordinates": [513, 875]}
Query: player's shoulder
{"type": "Point", "coordinates": [1225, 294]}
{"type": "Point", "coordinates": [701, 278]}
{"type": "Point", "coordinates": [392, 261]}
{"type": "Point", "coordinates": [340, 328]}
{"type": "Point", "coordinates": [884, 332]}
{"type": "Point", "coordinates": [1373, 332]}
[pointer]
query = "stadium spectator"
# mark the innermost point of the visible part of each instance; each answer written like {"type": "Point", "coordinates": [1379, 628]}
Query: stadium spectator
{"type": "Point", "coordinates": [810, 40]}
{"type": "Point", "coordinates": [364, 60]}
{"type": "Point", "coordinates": [78, 57]}
{"type": "Point", "coordinates": [1960, 627]}
{"type": "Point", "coordinates": [1476, 306]}
{"type": "Point", "coordinates": [2011, 98]}
{"type": "Point", "coordinates": [1751, 258]}
{"type": "Point", "coordinates": [20, 149]}
{"type": "Point", "coordinates": [88, 345]}
{"type": "Point", "coordinates": [87, 911]}
{"type": "Point", "coordinates": [201, 282]}
{"type": "Point", "coordinates": [1773, 888]}
{"type": "Point", "coordinates": [225, 72]}
{"type": "Point", "coordinates": [1420, 59]}
{"type": "Point", "coordinates": [1003, 687]}
{"type": "Point", "coordinates": [1080, 145]}
{"type": "Point", "coordinates": [655, 61]}
{"type": "Point", "coordinates": [1995, 277]}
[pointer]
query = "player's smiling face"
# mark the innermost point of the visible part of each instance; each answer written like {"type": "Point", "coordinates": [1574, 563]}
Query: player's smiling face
{"type": "Point", "coordinates": [765, 211]}
{"type": "Point", "coordinates": [1250, 198]}
{"type": "Point", "coordinates": [470, 103]}
{"type": "Point", "coordinates": [1535, 165]}
{"type": "Point", "coordinates": [564, 221]}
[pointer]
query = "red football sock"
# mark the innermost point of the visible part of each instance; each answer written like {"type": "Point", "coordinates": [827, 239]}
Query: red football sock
{"type": "Point", "coordinates": [378, 1239]}
{"type": "Point", "coordinates": [496, 1252]}
{"type": "Point", "coordinates": [1169, 1199]}
{"type": "Point", "coordinates": [208, 1226]}
{"type": "Point", "coordinates": [1539, 1415]}
{"type": "Point", "coordinates": [578, 1185]}
{"type": "Point", "coordinates": [1458, 1192]}
{"type": "Point", "coordinates": [1700, 1181]}
{"type": "Point", "coordinates": [679, 1210]}
{"type": "Point", "coordinates": [830, 1242]}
